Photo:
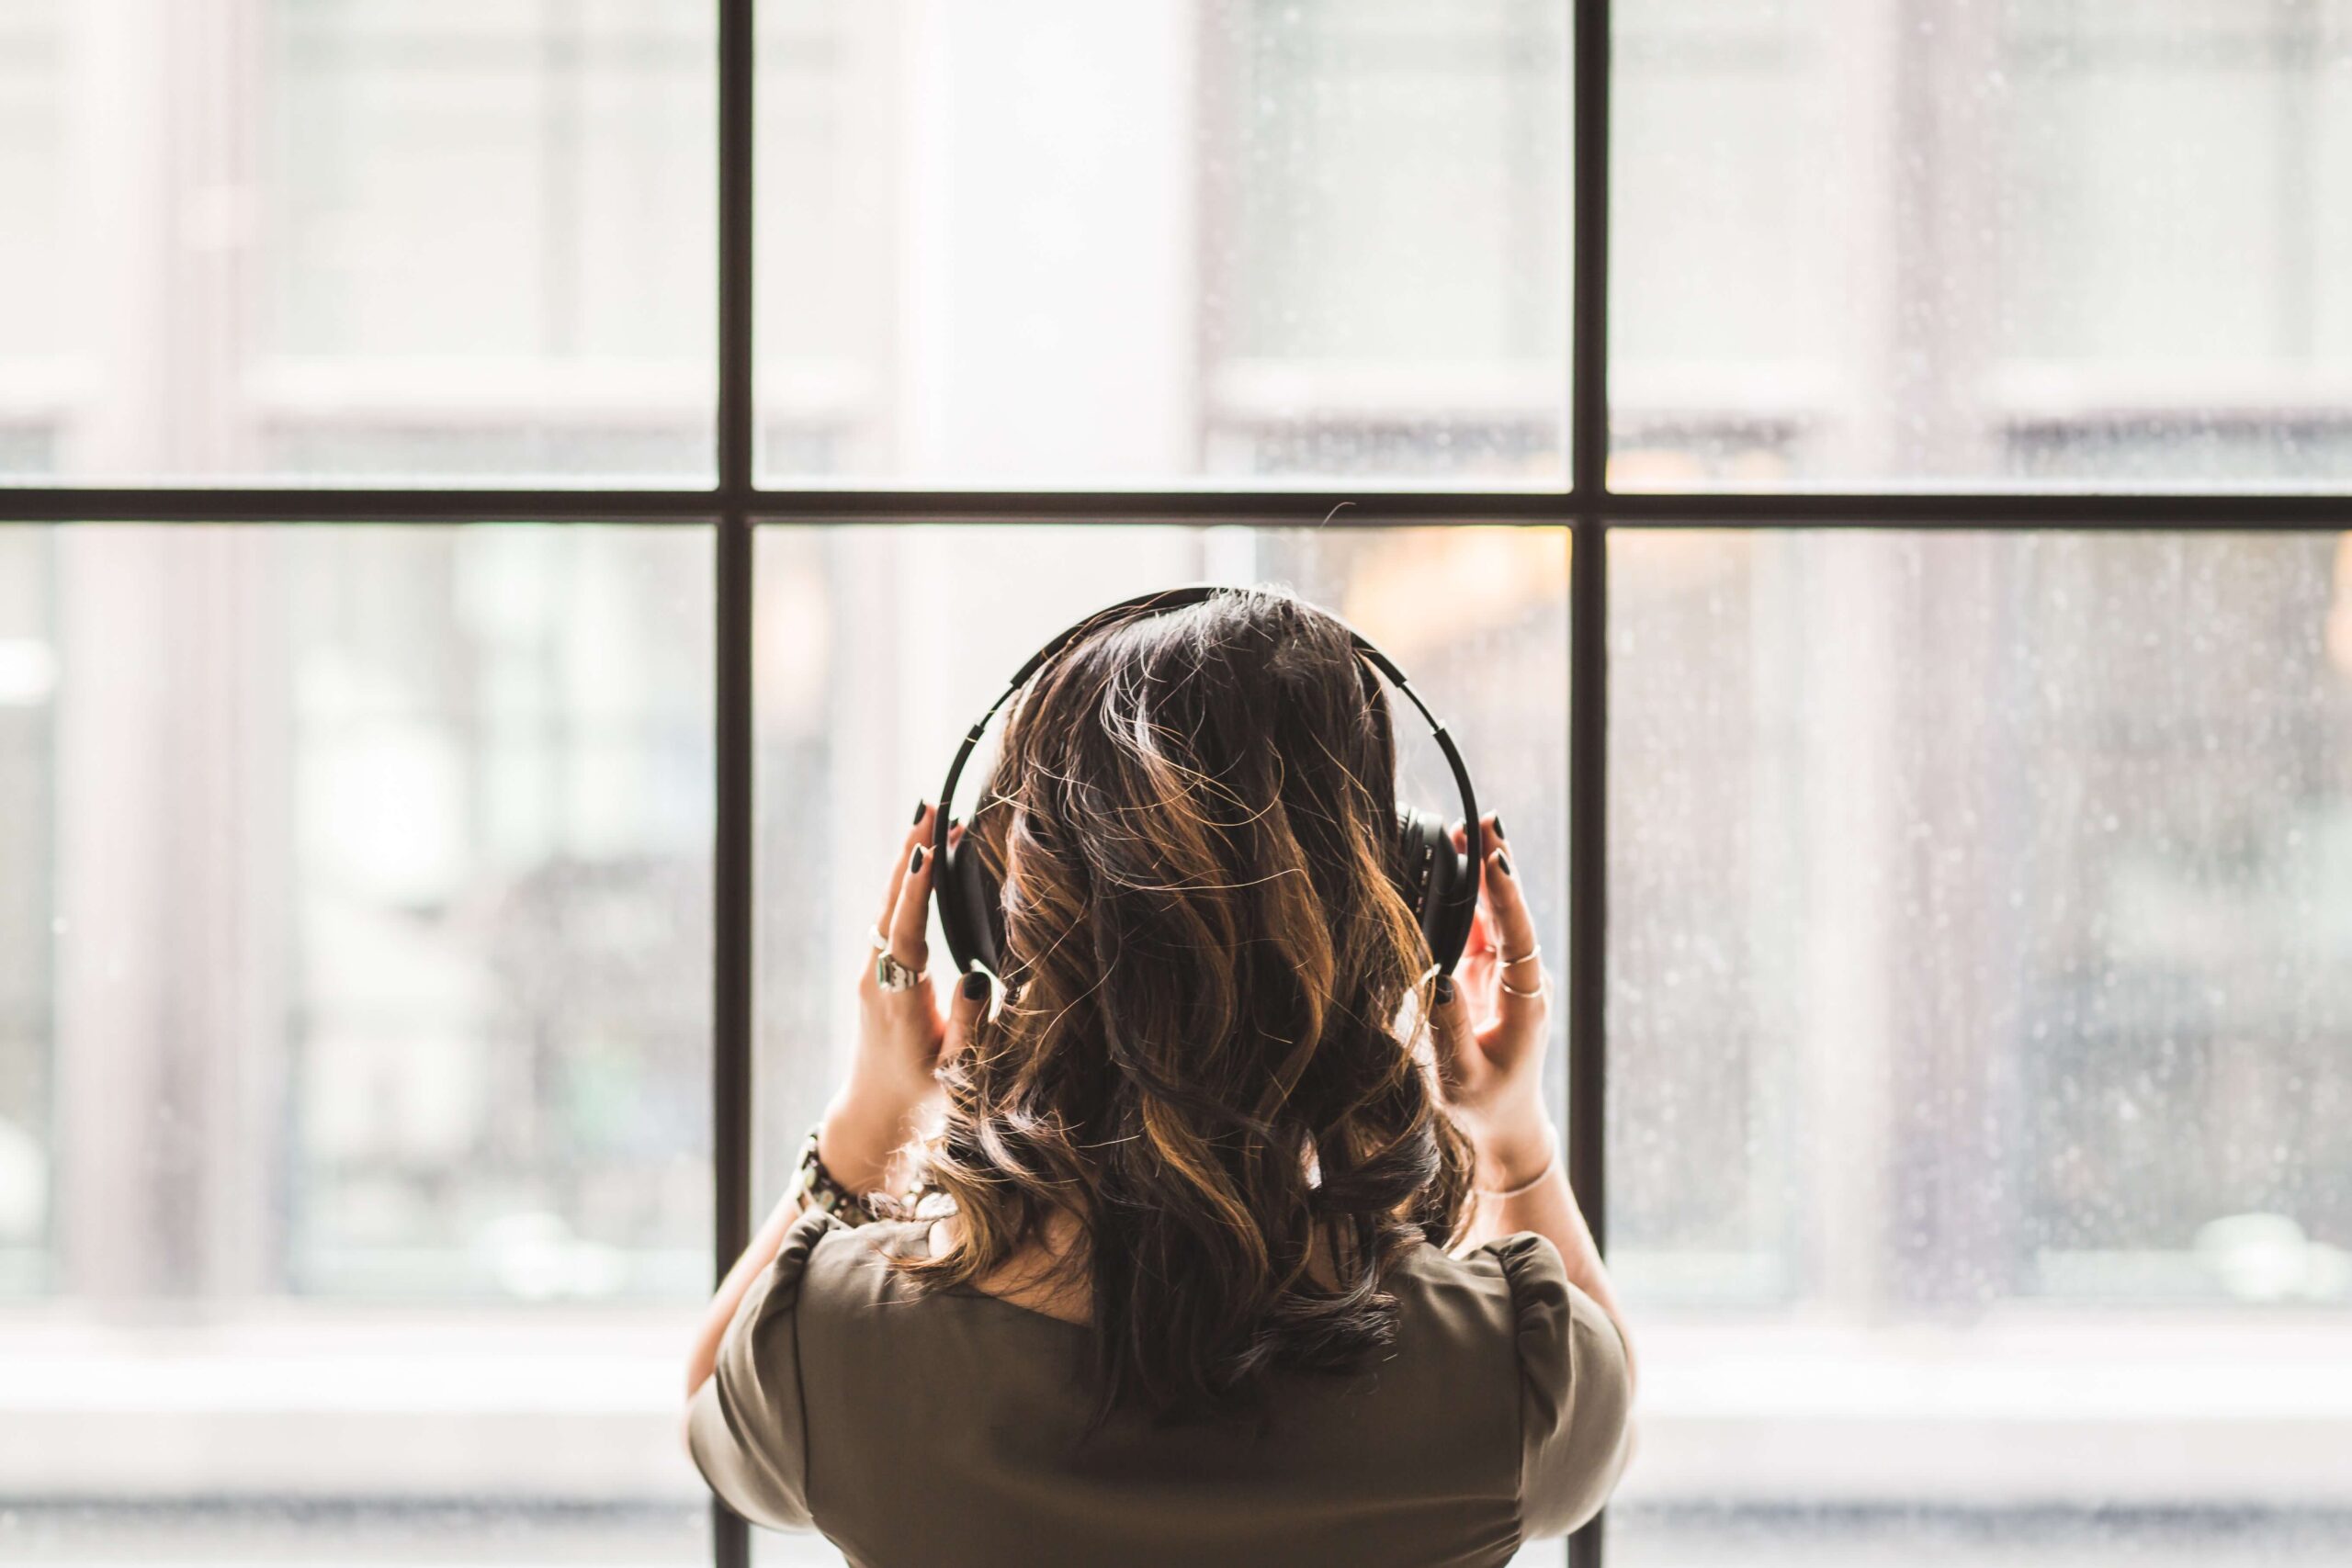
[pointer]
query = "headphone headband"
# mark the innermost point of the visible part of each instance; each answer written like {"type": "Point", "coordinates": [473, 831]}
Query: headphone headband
{"type": "Point", "coordinates": [1461, 902]}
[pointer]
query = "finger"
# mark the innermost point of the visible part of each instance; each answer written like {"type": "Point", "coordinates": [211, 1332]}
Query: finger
{"type": "Point", "coordinates": [1499, 890]}
{"type": "Point", "coordinates": [1476, 975]}
{"type": "Point", "coordinates": [909, 929]}
{"type": "Point", "coordinates": [918, 834]}
{"type": "Point", "coordinates": [1482, 926]}
{"type": "Point", "coordinates": [1516, 929]}
{"type": "Point", "coordinates": [1488, 927]}
{"type": "Point", "coordinates": [1481, 937]}
{"type": "Point", "coordinates": [964, 1014]}
{"type": "Point", "coordinates": [1450, 1028]}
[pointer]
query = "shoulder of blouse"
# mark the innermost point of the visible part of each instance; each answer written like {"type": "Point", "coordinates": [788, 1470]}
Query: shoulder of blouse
{"type": "Point", "coordinates": [746, 1427]}
{"type": "Point", "coordinates": [1575, 1391]}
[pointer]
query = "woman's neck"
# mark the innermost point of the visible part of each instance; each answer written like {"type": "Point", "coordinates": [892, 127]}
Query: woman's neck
{"type": "Point", "coordinates": [1046, 1276]}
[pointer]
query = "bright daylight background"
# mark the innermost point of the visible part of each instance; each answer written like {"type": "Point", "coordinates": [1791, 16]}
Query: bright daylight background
{"type": "Point", "coordinates": [1981, 996]}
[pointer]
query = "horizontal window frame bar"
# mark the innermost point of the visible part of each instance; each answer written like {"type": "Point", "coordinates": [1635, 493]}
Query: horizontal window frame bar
{"type": "Point", "coordinates": [2251, 512]}
{"type": "Point", "coordinates": [1894, 510]}
{"type": "Point", "coordinates": [298, 507]}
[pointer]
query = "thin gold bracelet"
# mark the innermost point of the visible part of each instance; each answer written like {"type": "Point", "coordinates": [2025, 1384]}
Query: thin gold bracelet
{"type": "Point", "coordinates": [1551, 1158]}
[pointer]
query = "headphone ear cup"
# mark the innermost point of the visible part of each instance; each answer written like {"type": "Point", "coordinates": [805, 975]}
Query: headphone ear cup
{"type": "Point", "coordinates": [1438, 883]}
{"type": "Point", "coordinates": [971, 907]}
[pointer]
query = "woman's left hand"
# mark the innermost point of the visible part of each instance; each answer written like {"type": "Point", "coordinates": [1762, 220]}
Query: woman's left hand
{"type": "Point", "coordinates": [901, 1035]}
{"type": "Point", "coordinates": [1492, 1027]}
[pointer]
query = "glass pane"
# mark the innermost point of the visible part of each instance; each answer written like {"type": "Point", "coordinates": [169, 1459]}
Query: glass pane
{"type": "Point", "coordinates": [381, 240]}
{"type": "Point", "coordinates": [873, 664]}
{"type": "Point", "coordinates": [354, 1172]}
{"type": "Point", "coordinates": [1236, 240]}
{"type": "Point", "coordinates": [2093, 244]}
{"type": "Point", "coordinates": [1981, 1045]}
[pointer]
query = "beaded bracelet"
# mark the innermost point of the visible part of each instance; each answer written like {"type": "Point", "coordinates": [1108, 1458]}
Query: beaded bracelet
{"type": "Point", "coordinates": [824, 1190]}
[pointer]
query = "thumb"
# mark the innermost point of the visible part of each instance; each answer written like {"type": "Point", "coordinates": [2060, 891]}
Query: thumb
{"type": "Point", "coordinates": [965, 1011]}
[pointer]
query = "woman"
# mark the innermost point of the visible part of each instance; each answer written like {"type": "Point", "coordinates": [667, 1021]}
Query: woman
{"type": "Point", "coordinates": [1176, 1287]}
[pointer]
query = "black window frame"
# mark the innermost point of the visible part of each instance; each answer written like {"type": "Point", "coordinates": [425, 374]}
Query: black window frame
{"type": "Point", "coordinates": [737, 505]}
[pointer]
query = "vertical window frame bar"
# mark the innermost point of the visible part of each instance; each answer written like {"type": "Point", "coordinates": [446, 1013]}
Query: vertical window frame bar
{"type": "Point", "coordinates": [1585, 1114]}
{"type": "Point", "coordinates": [733, 975]}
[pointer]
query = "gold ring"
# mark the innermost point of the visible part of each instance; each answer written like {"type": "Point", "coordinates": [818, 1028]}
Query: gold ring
{"type": "Point", "coordinates": [1523, 958]}
{"type": "Point", "coordinates": [1542, 984]}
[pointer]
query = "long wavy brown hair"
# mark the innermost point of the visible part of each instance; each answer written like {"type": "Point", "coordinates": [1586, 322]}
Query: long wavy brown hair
{"type": "Point", "coordinates": [1203, 1054]}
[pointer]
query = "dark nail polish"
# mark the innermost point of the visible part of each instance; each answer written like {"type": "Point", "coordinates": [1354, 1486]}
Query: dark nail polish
{"type": "Point", "coordinates": [1444, 990]}
{"type": "Point", "coordinates": [1502, 863]}
{"type": "Point", "coordinates": [915, 864]}
{"type": "Point", "coordinates": [975, 987]}
{"type": "Point", "coordinates": [921, 806]}
{"type": "Point", "coordinates": [1499, 826]}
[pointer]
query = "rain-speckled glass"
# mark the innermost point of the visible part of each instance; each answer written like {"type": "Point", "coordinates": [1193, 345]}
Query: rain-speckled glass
{"type": "Point", "coordinates": [357, 241]}
{"type": "Point", "coordinates": [1980, 1010]}
{"type": "Point", "coordinates": [1231, 241]}
{"type": "Point", "coordinates": [354, 1040]}
{"type": "Point", "coordinates": [2098, 244]}
{"type": "Point", "coordinates": [874, 658]}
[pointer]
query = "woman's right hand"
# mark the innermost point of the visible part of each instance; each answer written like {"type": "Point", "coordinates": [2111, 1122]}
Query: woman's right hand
{"type": "Point", "coordinates": [1490, 1041]}
{"type": "Point", "coordinates": [901, 1035]}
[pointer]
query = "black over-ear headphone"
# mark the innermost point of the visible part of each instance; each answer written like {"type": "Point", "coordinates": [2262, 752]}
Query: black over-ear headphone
{"type": "Point", "coordinates": [1438, 882]}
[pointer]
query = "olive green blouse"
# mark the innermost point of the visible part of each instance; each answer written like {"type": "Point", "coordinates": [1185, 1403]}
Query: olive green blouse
{"type": "Point", "coordinates": [947, 1429]}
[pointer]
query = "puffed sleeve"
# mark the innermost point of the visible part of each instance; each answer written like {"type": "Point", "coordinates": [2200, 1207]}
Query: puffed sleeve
{"type": "Point", "coordinates": [745, 1426]}
{"type": "Point", "coordinates": [1576, 1392]}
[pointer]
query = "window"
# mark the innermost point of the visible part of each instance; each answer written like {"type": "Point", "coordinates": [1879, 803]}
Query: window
{"type": "Point", "coordinates": [368, 239]}
{"type": "Point", "coordinates": [1221, 241]}
{"type": "Point", "coordinates": [2082, 245]}
{"type": "Point", "coordinates": [497, 501]}
{"type": "Point", "coordinates": [1988, 933]}
{"type": "Point", "coordinates": [355, 1136]}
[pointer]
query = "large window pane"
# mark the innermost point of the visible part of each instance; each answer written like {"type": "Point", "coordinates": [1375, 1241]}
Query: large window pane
{"type": "Point", "coordinates": [360, 240]}
{"type": "Point", "coordinates": [2098, 243]}
{"type": "Point", "coordinates": [1217, 240]}
{"type": "Point", "coordinates": [875, 657]}
{"type": "Point", "coordinates": [355, 1175]}
{"type": "Point", "coordinates": [1981, 1044]}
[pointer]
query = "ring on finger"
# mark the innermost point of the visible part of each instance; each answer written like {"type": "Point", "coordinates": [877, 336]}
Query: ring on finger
{"type": "Point", "coordinates": [1527, 957]}
{"type": "Point", "coordinates": [892, 976]}
{"type": "Point", "coordinates": [1543, 983]}
{"type": "Point", "coordinates": [874, 934]}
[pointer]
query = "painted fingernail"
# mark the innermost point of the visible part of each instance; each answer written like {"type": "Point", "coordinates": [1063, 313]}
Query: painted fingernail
{"type": "Point", "coordinates": [1444, 990]}
{"type": "Point", "coordinates": [921, 807]}
{"type": "Point", "coordinates": [1502, 863]}
{"type": "Point", "coordinates": [975, 987]}
{"type": "Point", "coordinates": [1498, 826]}
{"type": "Point", "coordinates": [915, 863]}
